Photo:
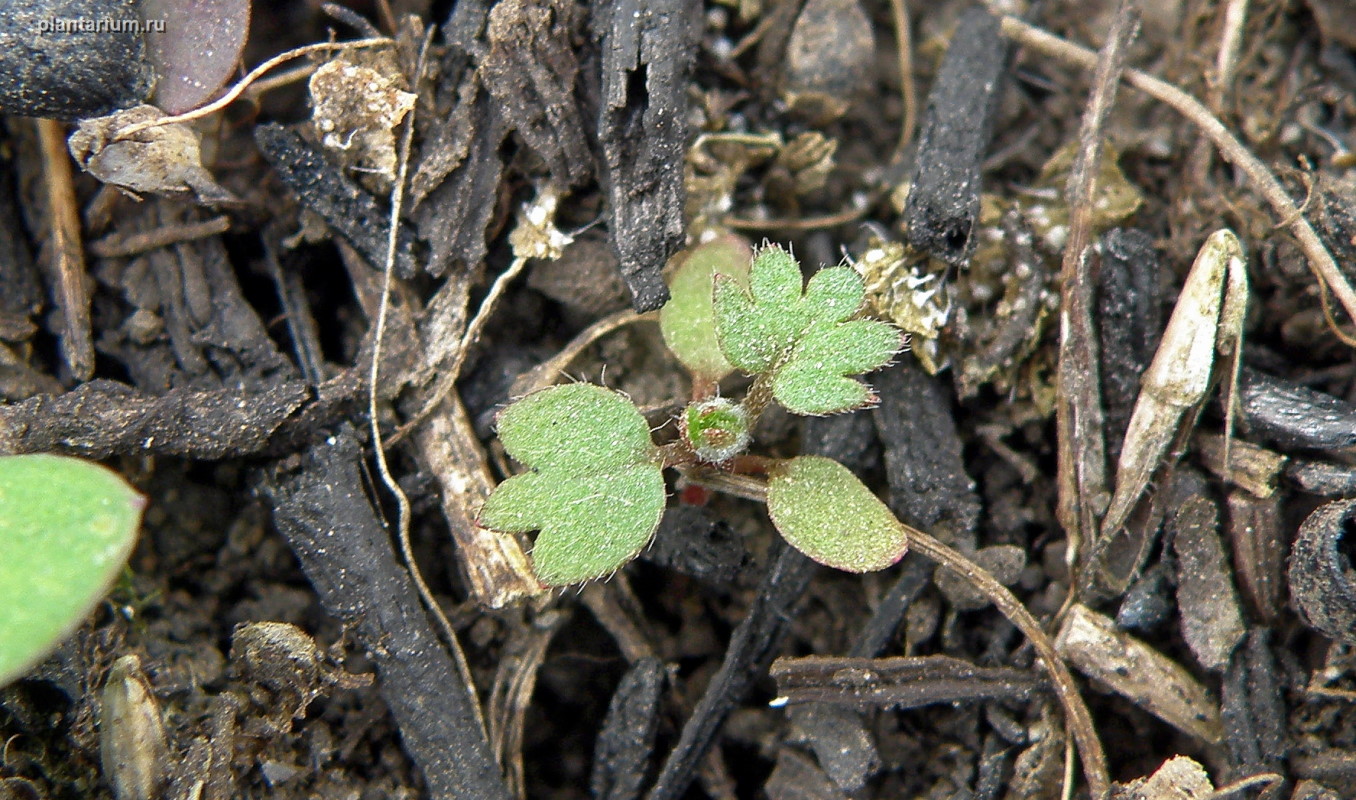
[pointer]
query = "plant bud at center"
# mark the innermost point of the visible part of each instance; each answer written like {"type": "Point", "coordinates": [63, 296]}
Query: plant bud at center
{"type": "Point", "coordinates": [717, 429]}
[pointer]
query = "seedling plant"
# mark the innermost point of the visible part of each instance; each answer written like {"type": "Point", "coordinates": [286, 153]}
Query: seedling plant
{"type": "Point", "coordinates": [594, 487]}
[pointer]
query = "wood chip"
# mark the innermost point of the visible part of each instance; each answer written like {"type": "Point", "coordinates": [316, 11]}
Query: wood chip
{"type": "Point", "coordinates": [1141, 674]}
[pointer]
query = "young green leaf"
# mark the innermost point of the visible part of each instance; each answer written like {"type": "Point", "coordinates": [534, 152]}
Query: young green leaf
{"type": "Point", "coordinates": [823, 511]}
{"type": "Point", "coordinates": [66, 529]}
{"type": "Point", "coordinates": [808, 341]}
{"type": "Point", "coordinates": [596, 489]}
{"type": "Point", "coordinates": [688, 320]}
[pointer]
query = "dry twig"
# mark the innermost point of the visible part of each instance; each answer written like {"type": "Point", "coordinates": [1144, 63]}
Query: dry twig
{"type": "Point", "coordinates": [66, 258]}
{"type": "Point", "coordinates": [1082, 446]}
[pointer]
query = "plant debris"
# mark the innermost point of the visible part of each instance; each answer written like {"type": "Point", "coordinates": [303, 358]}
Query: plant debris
{"type": "Point", "coordinates": [203, 308]}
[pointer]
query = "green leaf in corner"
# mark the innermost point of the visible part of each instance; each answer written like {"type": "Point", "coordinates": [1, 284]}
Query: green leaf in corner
{"type": "Point", "coordinates": [687, 320]}
{"type": "Point", "coordinates": [809, 342]}
{"type": "Point", "coordinates": [595, 489]}
{"type": "Point", "coordinates": [66, 529]}
{"type": "Point", "coordinates": [823, 511]}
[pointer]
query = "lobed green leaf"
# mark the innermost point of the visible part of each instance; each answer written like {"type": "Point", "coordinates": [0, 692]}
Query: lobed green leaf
{"type": "Point", "coordinates": [823, 511]}
{"type": "Point", "coordinates": [596, 492]}
{"type": "Point", "coordinates": [66, 529]}
{"type": "Point", "coordinates": [577, 427]}
{"type": "Point", "coordinates": [808, 342]}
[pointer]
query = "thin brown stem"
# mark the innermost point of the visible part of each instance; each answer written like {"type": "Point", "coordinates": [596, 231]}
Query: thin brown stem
{"type": "Point", "coordinates": [448, 380]}
{"type": "Point", "coordinates": [244, 83]}
{"type": "Point", "coordinates": [1082, 447]}
{"type": "Point", "coordinates": [1079, 719]}
{"type": "Point", "coordinates": [138, 243]}
{"type": "Point", "coordinates": [66, 254]}
{"type": "Point", "coordinates": [899, 14]}
{"type": "Point", "coordinates": [1076, 711]}
{"type": "Point", "coordinates": [547, 372]}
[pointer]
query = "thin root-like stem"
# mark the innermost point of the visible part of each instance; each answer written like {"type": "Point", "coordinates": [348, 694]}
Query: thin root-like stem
{"type": "Point", "coordinates": [67, 255]}
{"type": "Point", "coordinates": [899, 14]}
{"type": "Point", "coordinates": [378, 447]}
{"type": "Point", "coordinates": [546, 373]}
{"type": "Point", "coordinates": [1257, 173]}
{"type": "Point", "coordinates": [244, 83]}
{"type": "Point", "coordinates": [1079, 719]}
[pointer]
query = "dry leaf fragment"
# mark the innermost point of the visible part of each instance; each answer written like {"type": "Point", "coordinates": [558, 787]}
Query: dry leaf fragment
{"type": "Point", "coordinates": [1179, 778]}
{"type": "Point", "coordinates": [1133, 669]}
{"type": "Point", "coordinates": [357, 108]}
{"type": "Point", "coordinates": [164, 160]}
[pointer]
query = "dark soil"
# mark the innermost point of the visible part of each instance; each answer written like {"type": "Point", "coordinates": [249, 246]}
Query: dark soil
{"type": "Point", "coordinates": [230, 374]}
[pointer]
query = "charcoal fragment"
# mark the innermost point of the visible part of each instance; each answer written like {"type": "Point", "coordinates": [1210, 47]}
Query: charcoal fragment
{"type": "Point", "coordinates": [899, 682]}
{"type": "Point", "coordinates": [1129, 320]}
{"type": "Point", "coordinates": [923, 465]}
{"type": "Point", "coordinates": [1321, 575]}
{"type": "Point", "coordinates": [692, 543]}
{"type": "Point", "coordinates": [71, 74]}
{"type": "Point", "coordinates": [647, 53]}
{"type": "Point", "coordinates": [322, 188]}
{"type": "Point", "coordinates": [1253, 709]}
{"type": "Point", "coordinates": [530, 69]}
{"type": "Point", "coordinates": [320, 506]}
{"type": "Point", "coordinates": [1295, 416]}
{"type": "Point", "coordinates": [955, 132]}
{"type": "Point", "coordinates": [1323, 479]}
{"type": "Point", "coordinates": [622, 754]}
{"type": "Point", "coordinates": [1258, 546]}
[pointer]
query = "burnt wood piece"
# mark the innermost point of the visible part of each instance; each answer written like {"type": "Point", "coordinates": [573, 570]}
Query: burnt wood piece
{"type": "Point", "coordinates": [530, 70]}
{"type": "Point", "coordinates": [876, 634]}
{"type": "Point", "coordinates": [689, 541]}
{"type": "Point", "coordinates": [323, 188]}
{"type": "Point", "coordinates": [72, 74]}
{"type": "Point", "coordinates": [838, 735]}
{"type": "Point", "coordinates": [923, 464]}
{"type": "Point", "coordinates": [1321, 478]}
{"type": "Point", "coordinates": [455, 192]}
{"type": "Point", "coordinates": [102, 418]}
{"type": "Point", "coordinates": [954, 134]}
{"type": "Point", "coordinates": [647, 52]}
{"type": "Point", "coordinates": [1322, 582]}
{"type": "Point", "coordinates": [905, 682]}
{"type": "Point", "coordinates": [1252, 707]}
{"type": "Point", "coordinates": [1129, 321]}
{"type": "Point", "coordinates": [622, 753]}
{"type": "Point", "coordinates": [321, 507]}
{"type": "Point", "coordinates": [1295, 416]}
